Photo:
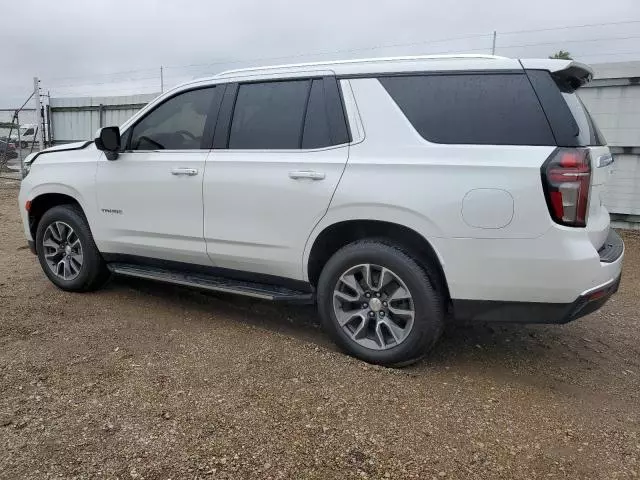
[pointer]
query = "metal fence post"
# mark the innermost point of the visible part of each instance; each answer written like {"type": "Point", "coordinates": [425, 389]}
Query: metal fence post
{"type": "Point", "coordinates": [36, 94]}
{"type": "Point", "coordinates": [100, 115]}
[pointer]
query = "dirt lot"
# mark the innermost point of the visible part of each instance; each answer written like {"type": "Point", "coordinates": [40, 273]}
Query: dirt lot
{"type": "Point", "coordinates": [142, 380]}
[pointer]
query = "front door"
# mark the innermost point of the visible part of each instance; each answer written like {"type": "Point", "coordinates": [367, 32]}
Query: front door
{"type": "Point", "coordinates": [285, 146]}
{"type": "Point", "coordinates": [150, 197]}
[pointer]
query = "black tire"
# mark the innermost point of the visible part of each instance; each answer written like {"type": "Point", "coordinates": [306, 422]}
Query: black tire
{"type": "Point", "coordinates": [93, 273]}
{"type": "Point", "coordinates": [427, 302]}
{"type": "Point", "coordinates": [24, 144]}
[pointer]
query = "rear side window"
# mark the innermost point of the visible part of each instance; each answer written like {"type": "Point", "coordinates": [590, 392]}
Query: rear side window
{"type": "Point", "coordinates": [588, 133]}
{"type": "Point", "coordinates": [269, 115]}
{"type": "Point", "coordinates": [292, 114]}
{"type": "Point", "coordinates": [484, 109]}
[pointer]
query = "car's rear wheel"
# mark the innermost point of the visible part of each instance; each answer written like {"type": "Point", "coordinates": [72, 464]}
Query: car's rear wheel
{"type": "Point", "coordinates": [378, 304]}
{"type": "Point", "coordinates": [66, 250]}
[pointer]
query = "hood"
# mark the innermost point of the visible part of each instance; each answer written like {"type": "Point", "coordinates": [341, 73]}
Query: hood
{"type": "Point", "coordinates": [66, 146]}
{"type": "Point", "coordinates": [58, 148]}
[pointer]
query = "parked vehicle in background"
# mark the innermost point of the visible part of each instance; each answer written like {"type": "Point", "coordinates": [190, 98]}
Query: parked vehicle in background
{"type": "Point", "coordinates": [396, 193]}
{"type": "Point", "coordinates": [7, 150]}
{"type": "Point", "coordinates": [27, 135]}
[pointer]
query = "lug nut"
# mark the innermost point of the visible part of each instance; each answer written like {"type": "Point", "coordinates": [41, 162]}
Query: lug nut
{"type": "Point", "coordinates": [368, 295]}
{"type": "Point", "coordinates": [382, 314]}
{"type": "Point", "coordinates": [372, 314]}
{"type": "Point", "coordinates": [377, 294]}
{"type": "Point", "coordinates": [365, 305]}
{"type": "Point", "coordinates": [384, 304]}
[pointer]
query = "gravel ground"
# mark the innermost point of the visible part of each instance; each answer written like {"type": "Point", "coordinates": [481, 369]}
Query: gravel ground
{"type": "Point", "coordinates": [142, 380]}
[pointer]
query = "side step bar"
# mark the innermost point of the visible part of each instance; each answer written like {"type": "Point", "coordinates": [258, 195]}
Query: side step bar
{"type": "Point", "coordinates": [216, 284]}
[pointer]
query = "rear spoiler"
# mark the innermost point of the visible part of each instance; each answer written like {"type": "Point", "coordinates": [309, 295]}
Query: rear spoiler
{"type": "Point", "coordinates": [570, 72]}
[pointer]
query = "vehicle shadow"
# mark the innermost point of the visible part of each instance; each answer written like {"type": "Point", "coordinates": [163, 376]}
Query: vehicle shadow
{"type": "Point", "coordinates": [506, 346]}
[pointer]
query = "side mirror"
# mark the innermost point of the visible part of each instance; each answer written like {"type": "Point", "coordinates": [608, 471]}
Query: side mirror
{"type": "Point", "coordinates": [108, 140]}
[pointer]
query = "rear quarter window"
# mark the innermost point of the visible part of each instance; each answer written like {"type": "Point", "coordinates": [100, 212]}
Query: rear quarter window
{"type": "Point", "coordinates": [474, 108]}
{"type": "Point", "coordinates": [571, 122]}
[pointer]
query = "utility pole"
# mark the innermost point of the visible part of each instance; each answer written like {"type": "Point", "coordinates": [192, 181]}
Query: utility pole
{"type": "Point", "coordinates": [36, 94]}
{"type": "Point", "coordinates": [493, 46]}
{"type": "Point", "coordinates": [161, 80]}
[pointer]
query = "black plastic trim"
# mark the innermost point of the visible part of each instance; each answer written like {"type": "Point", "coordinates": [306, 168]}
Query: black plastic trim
{"type": "Point", "coordinates": [304, 115]}
{"type": "Point", "coordinates": [533, 312]}
{"type": "Point", "coordinates": [210, 282]}
{"type": "Point", "coordinates": [212, 117]}
{"type": "Point", "coordinates": [612, 249]}
{"type": "Point", "coordinates": [225, 114]}
{"type": "Point", "coordinates": [334, 103]}
{"type": "Point", "coordinates": [239, 275]}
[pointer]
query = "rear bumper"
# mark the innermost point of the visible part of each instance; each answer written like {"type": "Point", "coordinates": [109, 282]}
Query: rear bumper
{"type": "Point", "coordinates": [611, 256]}
{"type": "Point", "coordinates": [535, 312]}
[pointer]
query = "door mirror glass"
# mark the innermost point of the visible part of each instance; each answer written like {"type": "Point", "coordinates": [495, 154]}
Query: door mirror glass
{"type": "Point", "coordinates": [108, 139]}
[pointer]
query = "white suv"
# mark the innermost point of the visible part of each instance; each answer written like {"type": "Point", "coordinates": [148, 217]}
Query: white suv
{"type": "Point", "coordinates": [394, 192]}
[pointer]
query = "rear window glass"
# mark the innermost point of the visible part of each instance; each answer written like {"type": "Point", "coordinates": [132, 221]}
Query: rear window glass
{"type": "Point", "coordinates": [588, 132]}
{"type": "Point", "coordinates": [486, 109]}
{"type": "Point", "coordinates": [570, 121]}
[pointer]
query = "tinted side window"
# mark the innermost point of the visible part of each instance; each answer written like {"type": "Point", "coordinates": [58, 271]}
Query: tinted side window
{"type": "Point", "coordinates": [487, 109]}
{"type": "Point", "coordinates": [29, 131]}
{"type": "Point", "coordinates": [316, 127]}
{"type": "Point", "coordinates": [269, 115]}
{"type": "Point", "coordinates": [177, 124]}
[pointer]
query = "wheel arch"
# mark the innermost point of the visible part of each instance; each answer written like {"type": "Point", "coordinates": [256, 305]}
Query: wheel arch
{"type": "Point", "coordinates": [339, 234]}
{"type": "Point", "coordinates": [42, 202]}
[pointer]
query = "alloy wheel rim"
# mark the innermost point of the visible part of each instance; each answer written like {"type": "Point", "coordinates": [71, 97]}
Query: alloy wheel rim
{"type": "Point", "coordinates": [373, 306]}
{"type": "Point", "coordinates": [62, 250]}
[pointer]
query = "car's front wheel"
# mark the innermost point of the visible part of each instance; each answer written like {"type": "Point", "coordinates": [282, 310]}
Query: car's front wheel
{"type": "Point", "coordinates": [378, 304]}
{"type": "Point", "coordinates": [66, 250]}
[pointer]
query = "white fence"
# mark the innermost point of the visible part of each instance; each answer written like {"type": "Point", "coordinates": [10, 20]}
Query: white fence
{"type": "Point", "coordinates": [613, 99]}
{"type": "Point", "coordinates": [77, 119]}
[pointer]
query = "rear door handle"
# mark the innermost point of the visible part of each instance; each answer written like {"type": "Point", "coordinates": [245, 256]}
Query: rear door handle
{"type": "Point", "coordinates": [184, 171]}
{"type": "Point", "coordinates": [307, 174]}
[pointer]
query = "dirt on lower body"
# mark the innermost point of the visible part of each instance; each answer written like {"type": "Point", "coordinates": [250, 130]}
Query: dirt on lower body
{"type": "Point", "coordinates": [144, 380]}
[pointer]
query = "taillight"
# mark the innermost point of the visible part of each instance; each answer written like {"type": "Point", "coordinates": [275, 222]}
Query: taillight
{"type": "Point", "coordinates": [566, 177]}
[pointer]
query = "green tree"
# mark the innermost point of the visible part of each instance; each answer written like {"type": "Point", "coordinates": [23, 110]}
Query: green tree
{"type": "Point", "coordinates": [562, 55]}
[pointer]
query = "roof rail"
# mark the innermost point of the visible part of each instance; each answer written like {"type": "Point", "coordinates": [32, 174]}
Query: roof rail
{"type": "Point", "coordinates": [362, 60]}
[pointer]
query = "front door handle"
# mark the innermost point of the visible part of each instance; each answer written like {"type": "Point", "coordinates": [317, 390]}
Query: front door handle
{"type": "Point", "coordinates": [184, 171]}
{"type": "Point", "coordinates": [307, 174]}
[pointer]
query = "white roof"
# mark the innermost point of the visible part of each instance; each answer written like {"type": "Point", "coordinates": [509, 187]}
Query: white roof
{"type": "Point", "coordinates": [402, 64]}
{"type": "Point", "coordinates": [383, 65]}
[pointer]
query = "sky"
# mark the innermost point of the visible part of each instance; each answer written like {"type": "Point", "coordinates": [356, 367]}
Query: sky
{"type": "Point", "coordinates": [110, 47]}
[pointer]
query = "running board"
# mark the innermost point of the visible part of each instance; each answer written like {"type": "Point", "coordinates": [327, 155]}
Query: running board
{"type": "Point", "coordinates": [217, 284]}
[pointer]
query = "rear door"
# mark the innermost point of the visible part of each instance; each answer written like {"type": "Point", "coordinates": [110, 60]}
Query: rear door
{"type": "Point", "coordinates": [280, 148]}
